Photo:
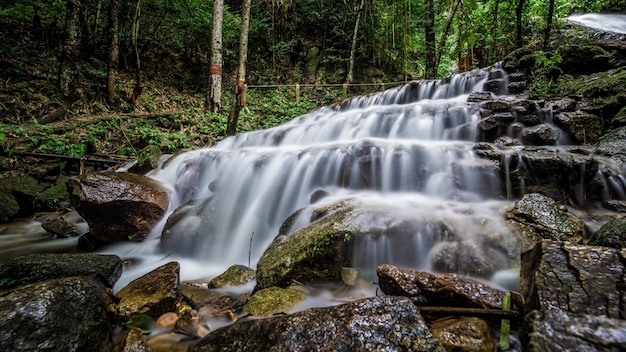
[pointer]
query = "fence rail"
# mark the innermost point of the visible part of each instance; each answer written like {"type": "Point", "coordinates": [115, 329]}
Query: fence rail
{"type": "Point", "coordinates": [344, 92]}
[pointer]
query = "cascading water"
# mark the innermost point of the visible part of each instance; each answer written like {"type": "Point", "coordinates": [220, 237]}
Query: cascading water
{"type": "Point", "coordinates": [615, 23]}
{"type": "Point", "coordinates": [404, 157]}
{"type": "Point", "coordinates": [408, 151]}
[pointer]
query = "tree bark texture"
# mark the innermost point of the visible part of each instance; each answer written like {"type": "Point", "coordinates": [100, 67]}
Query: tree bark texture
{"type": "Point", "coordinates": [134, 37]}
{"type": "Point", "coordinates": [67, 69]}
{"type": "Point", "coordinates": [429, 29]}
{"type": "Point", "coordinates": [214, 98]}
{"type": "Point", "coordinates": [240, 98]}
{"type": "Point", "coordinates": [546, 35]}
{"type": "Point", "coordinates": [113, 51]}
{"type": "Point", "coordinates": [518, 23]}
{"type": "Point", "coordinates": [350, 77]}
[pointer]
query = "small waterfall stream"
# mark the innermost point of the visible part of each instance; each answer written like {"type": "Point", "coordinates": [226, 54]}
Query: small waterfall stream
{"type": "Point", "coordinates": [406, 152]}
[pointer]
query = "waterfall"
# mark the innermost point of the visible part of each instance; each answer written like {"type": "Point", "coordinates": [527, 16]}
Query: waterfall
{"type": "Point", "coordinates": [399, 149]}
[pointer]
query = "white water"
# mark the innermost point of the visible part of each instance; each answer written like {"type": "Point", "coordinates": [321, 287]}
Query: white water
{"type": "Point", "coordinates": [615, 23]}
{"type": "Point", "coordinates": [405, 154]}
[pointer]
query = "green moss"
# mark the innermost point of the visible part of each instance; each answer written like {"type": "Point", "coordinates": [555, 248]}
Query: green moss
{"type": "Point", "coordinates": [54, 198]}
{"type": "Point", "coordinates": [605, 90]}
{"type": "Point", "coordinates": [315, 253]}
{"type": "Point", "coordinates": [272, 300]}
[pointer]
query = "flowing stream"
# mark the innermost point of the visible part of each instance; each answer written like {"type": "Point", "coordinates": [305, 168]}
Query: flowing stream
{"type": "Point", "coordinates": [404, 155]}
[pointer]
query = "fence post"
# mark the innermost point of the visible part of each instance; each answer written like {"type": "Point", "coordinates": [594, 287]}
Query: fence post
{"type": "Point", "coordinates": [344, 93]}
{"type": "Point", "coordinates": [297, 93]}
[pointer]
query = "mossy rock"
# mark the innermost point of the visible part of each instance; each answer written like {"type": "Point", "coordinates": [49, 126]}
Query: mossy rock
{"type": "Point", "coordinates": [17, 193]}
{"type": "Point", "coordinates": [613, 144]}
{"type": "Point", "coordinates": [272, 300]}
{"type": "Point", "coordinates": [315, 253]}
{"type": "Point", "coordinates": [53, 198]}
{"type": "Point", "coordinates": [46, 266]}
{"type": "Point", "coordinates": [619, 120]}
{"type": "Point", "coordinates": [611, 234]}
{"type": "Point", "coordinates": [235, 275]}
{"type": "Point", "coordinates": [583, 59]}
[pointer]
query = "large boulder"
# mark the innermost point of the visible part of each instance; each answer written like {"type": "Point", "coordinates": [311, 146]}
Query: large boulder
{"type": "Point", "coordinates": [556, 331]}
{"type": "Point", "coordinates": [153, 294]}
{"type": "Point", "coordinates": [118, 206]}
{"type": "Point", "coordinates": [427, 289]}
{"type": "Point", "coordinates": [33, 268]}
{"type": "Point", "coordinates": [17, 194]}
{"type": "Point", "coordinates": [371, 324]}
{"type": "Point", "coordinates": [543, 216]}
{"type": "Point", "coordinates": [574, 278]}
{"type": "Point", "coordinates": [68, 314]}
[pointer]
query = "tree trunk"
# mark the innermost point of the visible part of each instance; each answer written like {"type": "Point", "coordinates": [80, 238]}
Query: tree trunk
{"type": "Point", "coordinates": [113, 52]}
{"type": "Point", "coordinates": [442, 41]}
{"type": "Point", "coordinates": [518, 22]}
{"type": "Point", "coordinates": [353, 48]}
{"type": "Point", "coordinates": [429, 29]}
{"type": "Point", "coordinates": [214, 97]}
{"type": "Point", "coordinates": [67, 69]}
{"type": "Point", "coordinates": [546, 35]}
{"type": "Point", "coordinates": [134, 37]}
{"type": "Point", "coordinates": [239, 100]}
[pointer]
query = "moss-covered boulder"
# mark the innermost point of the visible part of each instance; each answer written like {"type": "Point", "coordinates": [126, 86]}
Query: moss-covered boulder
{"type": "Point", "coordinates": [153, 294]}
{"type": "Point", "coordinates": [68, 314]}
{"type": "Point", "coordinates": [53, 198]}
{"type": "Point", "coordinates": [17, 194]}
{"type": "Point", "coordinates": [233, 276]}
{"type": "Point", "coordinates": [46, 266]}
{"type": "Point", "coordinates": [272, 300]}
{"type": "Point", "coordinates": [611, 234]}
{"type": "Point", "coordinates": [315, 253]}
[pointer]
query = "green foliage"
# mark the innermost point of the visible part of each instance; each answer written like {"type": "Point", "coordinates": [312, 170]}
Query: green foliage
{"type": "Point", "coordinates": [141, 321]}
{"type": "Point", "coordinates": [547, 61]}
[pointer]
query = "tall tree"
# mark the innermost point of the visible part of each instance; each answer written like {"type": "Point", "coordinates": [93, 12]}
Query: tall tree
{"type": "Point", "coordinates": [113, 52]}
{"type": "Point", "coordinates": [239, 100]}
{"type": "Point", "coordinates": [546, 34]}
{"type": "Point", "coordinates": [429, 30]}
{"type": "Point", "coordinates": [134, 38]}
{"type": "Point", "coordinates": [69, 55]}
{"type": "Point", "coordinates": [214, 96]}
{"type": "Point", "coordinates": [353, 47]}
{"type": "Point", "coordinates": [518, 23]}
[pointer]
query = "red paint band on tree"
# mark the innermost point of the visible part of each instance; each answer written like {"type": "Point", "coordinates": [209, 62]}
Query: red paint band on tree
{"type": "Point", "coordinates": [215, 70]}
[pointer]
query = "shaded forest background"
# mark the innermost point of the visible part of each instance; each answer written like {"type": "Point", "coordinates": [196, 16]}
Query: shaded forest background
{"type": "Point", "coordinates": [168, 49]}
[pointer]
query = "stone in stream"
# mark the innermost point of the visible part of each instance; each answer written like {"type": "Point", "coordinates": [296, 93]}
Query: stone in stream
{"type": "Point", "coordinates": [118, 206]}
{"type": "Point", "coordinates": [560, 276]}
{"type": "Point", "coordinates": [67, 314]}
{"type": "Point", "coordinates": [372, 324]}
{"type": "Point", "coordinates": [468, 334]}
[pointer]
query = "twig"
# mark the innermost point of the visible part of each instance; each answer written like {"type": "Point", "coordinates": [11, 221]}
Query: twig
{"type": "Point", "coordinates": [250, 248]}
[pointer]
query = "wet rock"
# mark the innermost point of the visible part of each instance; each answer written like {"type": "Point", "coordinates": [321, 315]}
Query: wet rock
{"type": "Point", "coordinates": [619, 120]}
{"type": "Point", "coordinates": [582, 127]}
{"type": "Point", "coordinates": [546, 218]}
{"type": "Point", "coordinates": [17, 194]}
{"type": "Point", "coordinates": [611, 234]}
{"type": "Point", "coordinates": [131, 341]}
{"type": "Point", "coordinates": [235, 275]}
{"type": "Point", "coordinates": [540, 135]}
{"type": "Point", "coordinates": [466, 334]}
{"type": "Point", "coordinates": [153, 294]}
{"type": "Point", "coordinates": [444, 290]}
{"type": "Point", "coordinates": [53, 198]}
{"type": "Point", "coordinates": [574, 278]}
{"type": "Point", "coordinates": [555, 331]}
{"type": "Point", "coordinates": [476, 97]}
{"type": "Point", "coordinates": [312, 254]}
{"type": "Point", "coordinates": [272, 300]}
{"type": "Point", "coordinates": [615, 205]}
{"type": "Point", "coordinates": [186, 226]}
{"type": "Point", "coordinates": [496, 105]}
{"type": "Point", "coordinates": [58, 226]}
{"type": "Point", "coordinates": [372, 324]}
{"type": "Point", "coordinates": [118, 206]}
{"type": "Point", "coordinates": [583, 59]}
{"type": "Point", "coordinates": [467, 258]}
{"type": "Point", "coordinates": [166, 320]}
{"type": "Point", "coordinates": [613, 144]}
{"type": "Point", "coordinates": [67, 314]}
{"type": "Point", "coordinates": [33, 268]}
